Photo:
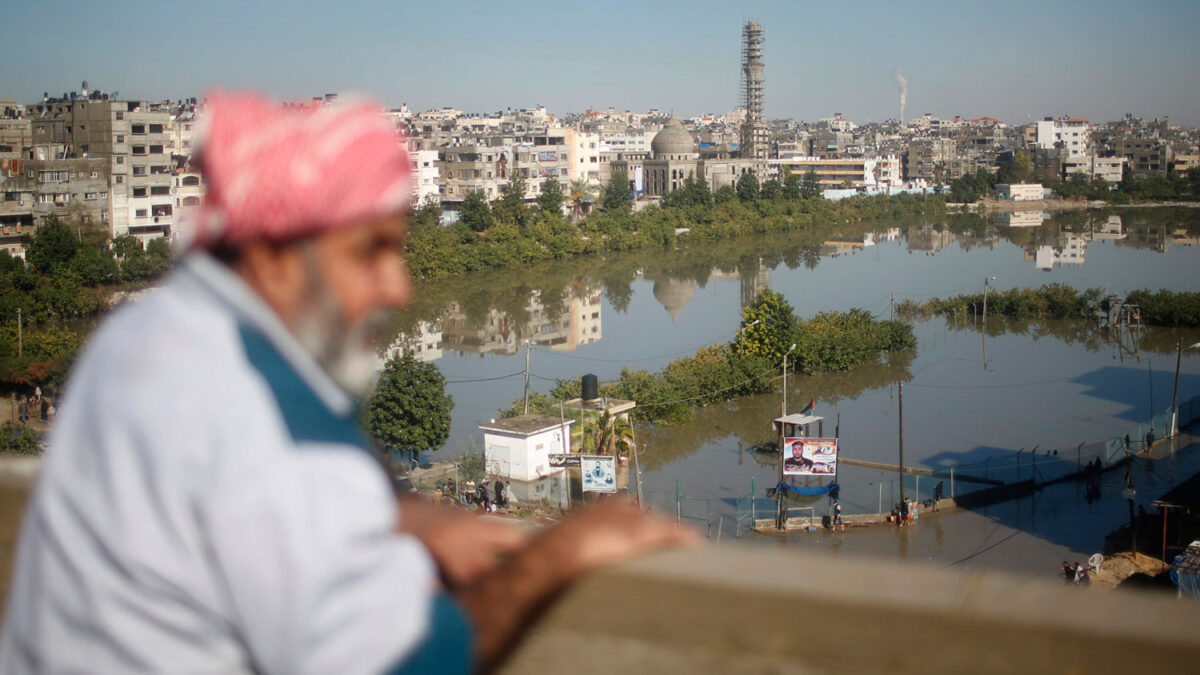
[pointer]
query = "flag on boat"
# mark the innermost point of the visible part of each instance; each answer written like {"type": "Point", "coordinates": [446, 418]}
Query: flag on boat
{"type": "Point", "coordinates": [809, 408]}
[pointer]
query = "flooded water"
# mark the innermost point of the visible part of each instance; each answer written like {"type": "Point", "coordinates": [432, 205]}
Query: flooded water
{"type": "Point", "coordinates": [969, 393]}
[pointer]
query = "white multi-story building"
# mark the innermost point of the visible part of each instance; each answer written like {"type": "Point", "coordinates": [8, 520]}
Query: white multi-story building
{"type": "Point", "coordinates": [1110, 169]}
{"type": "Point", "coordinates": [1071, 134]}
{"type": "Point", "coordinates": [425, 176]}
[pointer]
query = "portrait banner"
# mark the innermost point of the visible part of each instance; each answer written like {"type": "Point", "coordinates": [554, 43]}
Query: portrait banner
{"type": "Point", "coordinates": [809, 456]}
{"type": "Point", "coordinates": [599, 473]}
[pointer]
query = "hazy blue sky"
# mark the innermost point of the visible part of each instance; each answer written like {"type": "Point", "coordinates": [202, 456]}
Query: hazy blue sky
{"type": "Point", "coordinates": [1012, 60]}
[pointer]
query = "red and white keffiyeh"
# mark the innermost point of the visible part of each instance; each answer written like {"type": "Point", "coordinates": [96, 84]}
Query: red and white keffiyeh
{"type": "Point", "coordinates": [278, 172]}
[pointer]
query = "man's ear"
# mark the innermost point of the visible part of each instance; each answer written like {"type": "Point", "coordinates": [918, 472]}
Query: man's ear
{"type": "Point", "coordinates": [275, 272]}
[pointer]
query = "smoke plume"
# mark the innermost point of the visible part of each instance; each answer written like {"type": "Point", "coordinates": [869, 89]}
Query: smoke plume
{"type": "Point", "coordinates": [902, 84]}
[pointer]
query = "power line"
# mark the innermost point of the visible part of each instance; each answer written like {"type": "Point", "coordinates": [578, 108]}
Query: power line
{"type": "Point", "coordinates": [487, 379]}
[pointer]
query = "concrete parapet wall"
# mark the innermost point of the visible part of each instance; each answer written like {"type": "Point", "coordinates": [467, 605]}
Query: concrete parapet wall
{"type": "Point", "coordinates": [738, 609]}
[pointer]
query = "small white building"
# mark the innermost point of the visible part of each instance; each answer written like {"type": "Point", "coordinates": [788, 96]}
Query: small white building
{"type": "Point", "coordinates": [1019, 192]}
{"type": "Point", "coordinates": [519, 448]}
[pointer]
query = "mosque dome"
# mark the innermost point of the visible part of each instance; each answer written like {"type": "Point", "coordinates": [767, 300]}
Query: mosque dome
{"type": "Point", "coordinates": [674, 294]}
{"type": "Point", "coordinates": [673, 139]}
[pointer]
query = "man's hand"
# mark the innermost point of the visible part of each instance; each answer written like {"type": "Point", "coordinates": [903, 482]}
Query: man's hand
{"type": "Point", "coordinates": [503, 603]}
{"type": "Point", "coordinates": [464, 546]}
{"type": "Point", "coordinates": [605, 534]}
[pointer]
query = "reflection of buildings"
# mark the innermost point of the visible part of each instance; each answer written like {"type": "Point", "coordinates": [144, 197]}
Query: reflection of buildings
{"type": "Point", "coordinates": [1022, 218]}
{"type": "Point", "coordinates": [1180, 237]}
{"type": "Point", "coordinates": [425, 344]}
{"type": "Point", "coordinates": [579, 323]}
{"type": "Point", "coordinates": [675, 294]}
{"type": "Point", "coordinates": [1070, 249]}
{"type": "Point", "coordinates": [926, 238]}
{"type": "Point", "coordinates": [1146, 236]}
{"type": "Point", "coordinates": [1110, 229]}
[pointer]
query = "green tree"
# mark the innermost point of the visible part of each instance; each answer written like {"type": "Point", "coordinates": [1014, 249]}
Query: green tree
{"type": "Point", "coordinates": [791, 187]}
{"type": "Point", "coordinates": [425, 216]}
{"type": "Point", "coordinates": [810, 187]}
{"type": "Point", "coordinates": [410, 409]}
{"type": "Point", "coordinates": [510, 207]}
{"type": "Point", "coordinates": [616, 194]}
{"type": "Point", "coordinates": [747, 187]}
{"type": "Point", "coordinates": [18, 440]}
{"type": "Point", "coordinates": [475, 212]}
{"type": "Point", "coordinates": [771, 190]}
{"type": "Point", "coordinates": [725, 194]}
{"type": "Point", "coordinates": [51, 247]}
{"type": "Point", "coordinates": [1019, 170]}
{"type": "Point", "coordinates": [768, 327]}
{"type": "Point", "coordinates": [550, 201]}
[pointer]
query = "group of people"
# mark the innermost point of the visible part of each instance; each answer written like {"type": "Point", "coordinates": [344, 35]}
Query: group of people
{"type": "Point", "coordinates": [34, 405]}
{"type": "Point", "coordinates": [1075, 574]}
{"type": "Point", "coordinates": [479, 496]}
{"type": "Point", "coordinates": [905, 512]}
{"type": "Point", "coordinates": [1092, 474]}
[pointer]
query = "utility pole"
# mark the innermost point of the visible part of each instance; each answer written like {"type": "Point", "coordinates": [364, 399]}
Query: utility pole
{"type": "Point", "coordinates": [892, 307]}
{"type": "Point", "coordinates": [526, 378]}
{"type": "Point", "coordinates": [1174, 396]}
{"type": "Point", "coordinates": [985, 293]}
{"type": "Point", "coordinates": [901, 398]}
{"type": "Point", "coordinates": [783, 406]}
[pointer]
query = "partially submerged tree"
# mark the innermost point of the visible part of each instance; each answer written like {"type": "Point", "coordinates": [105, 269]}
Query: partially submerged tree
{"type": "Point", "coordinates": [410, 409]}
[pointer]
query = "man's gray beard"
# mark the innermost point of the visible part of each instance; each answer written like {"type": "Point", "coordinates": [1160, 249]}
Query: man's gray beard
{"type": "Point", "coordinates": [346, 353]}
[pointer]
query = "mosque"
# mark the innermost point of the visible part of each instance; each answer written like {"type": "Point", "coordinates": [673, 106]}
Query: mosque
{"type": "Point", "coordinates": [676, 156]}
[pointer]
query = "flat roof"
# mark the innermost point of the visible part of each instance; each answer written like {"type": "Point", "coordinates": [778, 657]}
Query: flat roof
{"type": "Point", "coordinates": [615, 406]}
{"type": "Point", "coordinates": [799, 419]}
{"type": "Point", "coordinates": [525, 425]}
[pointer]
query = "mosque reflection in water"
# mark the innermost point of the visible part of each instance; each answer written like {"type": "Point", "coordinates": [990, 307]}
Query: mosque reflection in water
{"type": "Point", "coordinates": [578, 322]}
{"type": "Point", "coordinates": [567, 313]}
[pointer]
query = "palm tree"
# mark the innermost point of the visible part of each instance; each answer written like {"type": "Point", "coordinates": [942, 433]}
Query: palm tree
{"type": "Point", "coordinates": [579, 193]}
{"type": "Point", "coordinates": [614, 436]}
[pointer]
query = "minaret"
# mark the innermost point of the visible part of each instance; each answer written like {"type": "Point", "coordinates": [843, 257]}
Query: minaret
{"type": "Point", "coordinates": [754, 131]}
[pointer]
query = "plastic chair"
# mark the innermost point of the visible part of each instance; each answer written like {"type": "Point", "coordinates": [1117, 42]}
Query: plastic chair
{"type": "Point", "coordinates": [1095, 560]}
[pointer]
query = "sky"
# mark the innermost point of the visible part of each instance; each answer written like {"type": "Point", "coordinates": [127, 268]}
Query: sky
{"type": "Point", "coordinates": [1015, 60]}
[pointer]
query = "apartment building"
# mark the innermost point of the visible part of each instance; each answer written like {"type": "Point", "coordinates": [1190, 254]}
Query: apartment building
{"type": "Point", "coordinates": [1146, 155]}
{"type": "Point", "coordinates": [856, 172]}
{"type": "Point", "coordinates": [1073, 134]}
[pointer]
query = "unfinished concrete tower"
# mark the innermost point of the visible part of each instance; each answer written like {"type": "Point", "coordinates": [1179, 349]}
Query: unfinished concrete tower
{"type": "Point", "coordinates": [754, 130]}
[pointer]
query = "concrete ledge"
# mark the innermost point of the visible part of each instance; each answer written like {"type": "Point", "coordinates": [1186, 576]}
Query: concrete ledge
{"type": "Point", "coordinates": [19, 470]}
{"type": "Point", "coordinates": [739, 609]}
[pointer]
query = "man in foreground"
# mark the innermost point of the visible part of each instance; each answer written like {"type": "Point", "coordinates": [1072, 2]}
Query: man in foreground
{"type": "Point", "coordinates": [208, 502]}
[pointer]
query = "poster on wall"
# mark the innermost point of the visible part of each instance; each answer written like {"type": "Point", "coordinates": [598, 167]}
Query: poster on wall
{"type": "Point", "coordinates": [558, 461]}
{"type": "Point", "coordinates": [809, 456]}
{"type": "Point", "coordinates": [599, 473]}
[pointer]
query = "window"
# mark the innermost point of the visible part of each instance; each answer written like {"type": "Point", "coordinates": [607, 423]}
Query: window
{"type": "Point", "coordinates": [156, 128]}
{"type": "Point", "coordinates": [90, 195]}
{"type": "Point", "coordinates": [191, 201]}
{"type": "Point", "coordinates": [191, 180]}
{"type": "Point", "coordinates": [120, 115]}
{"type": "Point", "coordinates": [141, 213]}
{"type": "Point", "coordinates": [139, 192]}
{"type": "Point", "coordinates": [138, 149]}
{"type": "Point", "coordinates": [54, 176]}
{"type": "Point", "coordinates": [45, 199]}
{"type": "Point", "coordinates": [159, 170]}
{"type": "Point", "coordinates": [119, 179]}
{"type": "Point", "coordinates": [120, 159]}
{"type": "Point", "coordinates": [139, 171]}
{"type": "Point", "coordinates": [120, 138]}
{"type": "Point", "coordinates": [160, 190]}
{"type": "Point", "coordinates": [138, 129]}
{"type": "Point", "coordinates": [95, 174]}
{"type": "Point", "coordinates": [156, 149]}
